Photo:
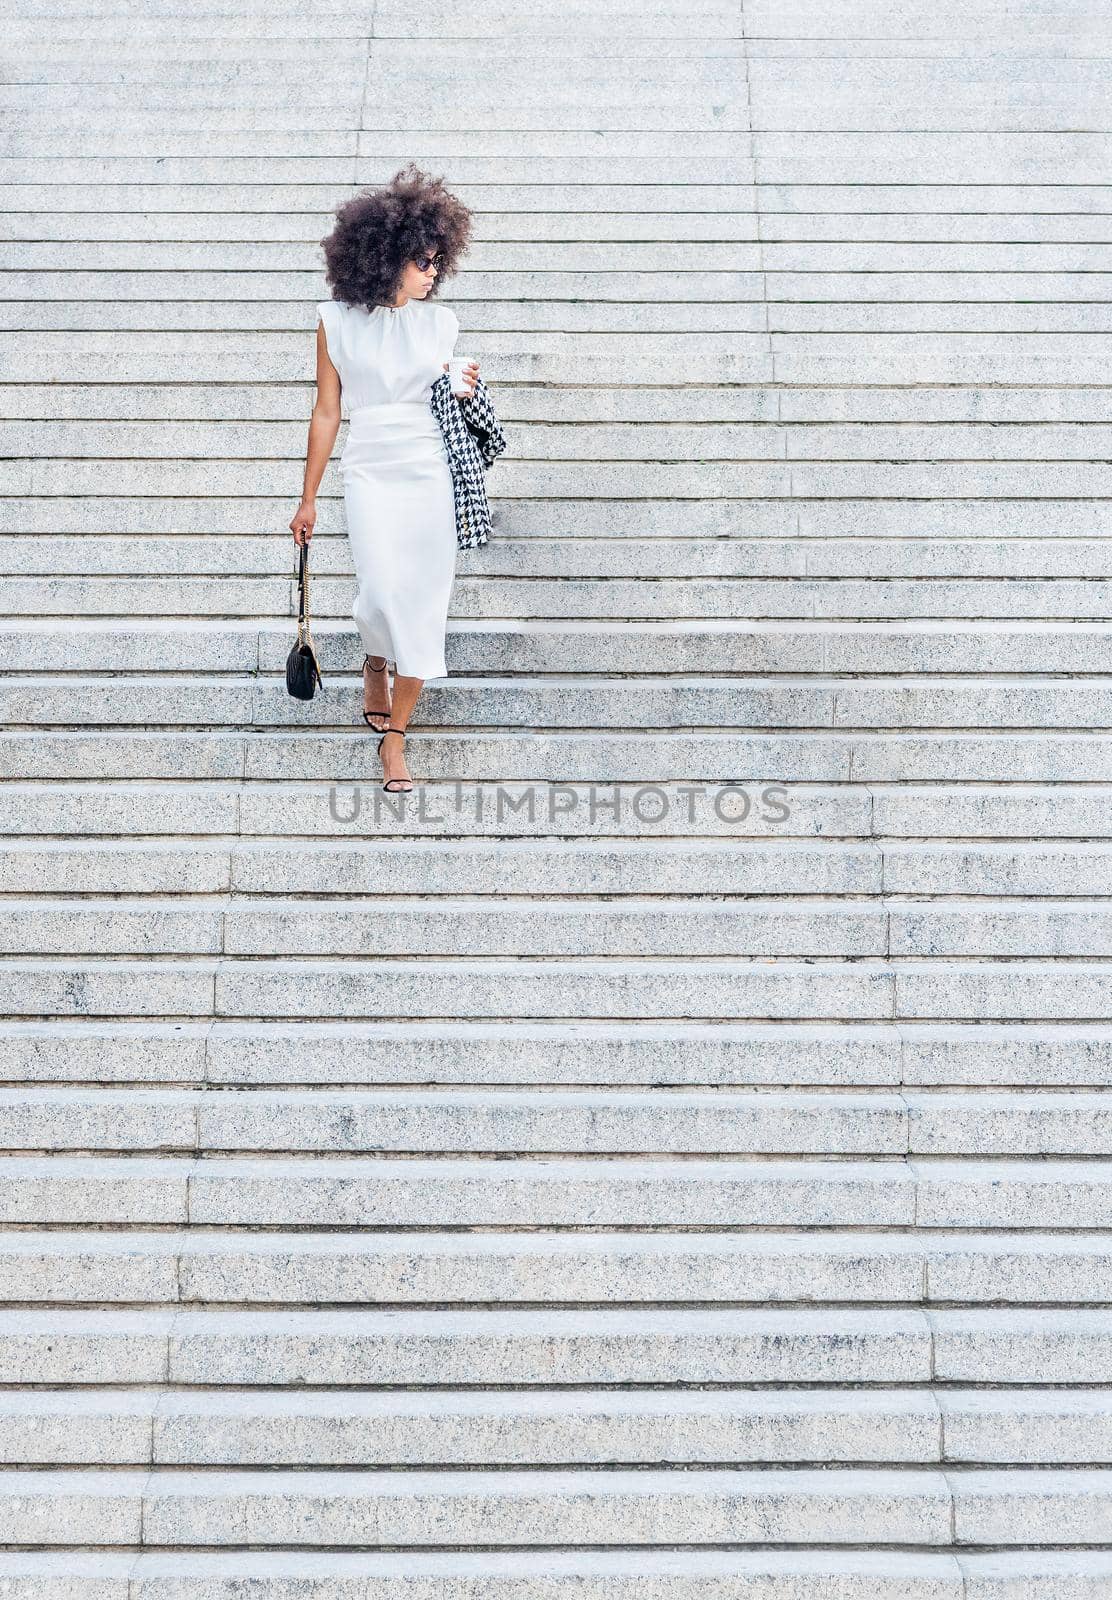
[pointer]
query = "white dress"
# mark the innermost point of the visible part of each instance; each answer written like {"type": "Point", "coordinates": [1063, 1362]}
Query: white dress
{"type": "Point", "coordinates": [397, 479]}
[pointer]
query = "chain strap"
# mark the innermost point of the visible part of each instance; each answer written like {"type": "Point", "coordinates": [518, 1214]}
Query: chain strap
{"type": "Point", "coordinates": [304, 635]}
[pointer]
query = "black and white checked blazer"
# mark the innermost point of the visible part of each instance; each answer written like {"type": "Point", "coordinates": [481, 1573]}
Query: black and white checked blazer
{"type": "Point", "coordinates": [473, 438]}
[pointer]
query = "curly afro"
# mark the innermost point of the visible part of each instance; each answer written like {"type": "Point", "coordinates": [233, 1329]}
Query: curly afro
{"type": "Point", "coordinates": [380, 230]}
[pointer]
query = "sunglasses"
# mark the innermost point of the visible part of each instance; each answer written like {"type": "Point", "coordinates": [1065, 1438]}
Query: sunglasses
{"type": "Point", "coordinates": [423, 263]}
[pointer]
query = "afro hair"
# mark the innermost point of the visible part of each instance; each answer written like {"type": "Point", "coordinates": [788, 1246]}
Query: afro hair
{"type": "Point", "coordinates": [378, 231]}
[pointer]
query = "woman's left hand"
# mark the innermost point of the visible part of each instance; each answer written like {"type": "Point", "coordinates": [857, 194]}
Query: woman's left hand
{"type": "Point", "coordinates": [470, 375]}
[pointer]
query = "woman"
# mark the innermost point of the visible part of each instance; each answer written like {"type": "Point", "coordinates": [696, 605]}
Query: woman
{"type": "Point", "coordinates": [382, 345]}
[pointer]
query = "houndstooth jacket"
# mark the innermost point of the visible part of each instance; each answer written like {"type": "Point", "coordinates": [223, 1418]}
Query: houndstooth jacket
{"type": "Point", "coordinates": [473, 438]}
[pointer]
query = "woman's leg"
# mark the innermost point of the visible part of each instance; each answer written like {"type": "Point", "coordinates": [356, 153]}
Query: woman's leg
{"type": "Point", "coordinates": [376, 692]}
{"type": "Point", "coordinates": [392, 754]}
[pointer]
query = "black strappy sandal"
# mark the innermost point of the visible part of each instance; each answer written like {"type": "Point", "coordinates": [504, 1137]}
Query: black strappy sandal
{"type": "Point", "coordinates": [407, 781]}
{"type": "Point", "coordinates": [375, 711]}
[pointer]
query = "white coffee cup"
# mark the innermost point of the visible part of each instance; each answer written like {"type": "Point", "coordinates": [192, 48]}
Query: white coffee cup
{"type": "Point", "coordinates": [456, 376]}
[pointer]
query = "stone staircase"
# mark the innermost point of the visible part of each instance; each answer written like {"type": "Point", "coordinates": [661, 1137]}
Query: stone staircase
{"type": "Point", "coordinates": [667, 1157]}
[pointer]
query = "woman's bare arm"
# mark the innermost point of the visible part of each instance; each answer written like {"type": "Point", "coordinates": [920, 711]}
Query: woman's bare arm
{"type": "Point", "coordinates": [324, 425]}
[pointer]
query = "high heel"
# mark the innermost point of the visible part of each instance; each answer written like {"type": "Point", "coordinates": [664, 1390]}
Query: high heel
{"type": "Point", "coordinates": [406, 781]}
{"type": "Point", "coordinates": [375, 711]}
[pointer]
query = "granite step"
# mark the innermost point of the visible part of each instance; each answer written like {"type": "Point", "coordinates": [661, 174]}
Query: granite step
{"type": "Point", "coordinates": [366, 1191]}
{"type": "Point", "coordinates": [583, 1122]}
{"type": "Point", "coordinates": [344, 1509]}
{"type": "Point", "coordinates": [595, 1575]}
{"type": "Point", "coordinates": [227, 1054]}
{"type": "Point", "coordinates": [894, 1268]}
{"type": "Point", "coordinates": [305, 1428]}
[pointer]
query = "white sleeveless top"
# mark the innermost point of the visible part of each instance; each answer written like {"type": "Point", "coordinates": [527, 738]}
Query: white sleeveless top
{"type": "Point", "coordinates": [387, 356]}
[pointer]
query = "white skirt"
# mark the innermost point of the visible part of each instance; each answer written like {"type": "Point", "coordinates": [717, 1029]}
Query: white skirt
{"type": "Point", "coordinates": [401, 524]}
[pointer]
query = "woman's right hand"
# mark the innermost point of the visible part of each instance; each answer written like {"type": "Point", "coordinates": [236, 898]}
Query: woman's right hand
{"type": "Point", "coordinates": [303, 522]}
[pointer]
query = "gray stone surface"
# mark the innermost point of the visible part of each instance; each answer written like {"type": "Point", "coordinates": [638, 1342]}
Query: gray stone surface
{"type": "Point", "coordinates": [438, 1575]}
{"type": "Point", "coordinates": [531, 1199]}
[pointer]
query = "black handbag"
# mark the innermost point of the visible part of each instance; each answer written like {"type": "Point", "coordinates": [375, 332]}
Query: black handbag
{"type": "Point", "coordinates": [302, 666]}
